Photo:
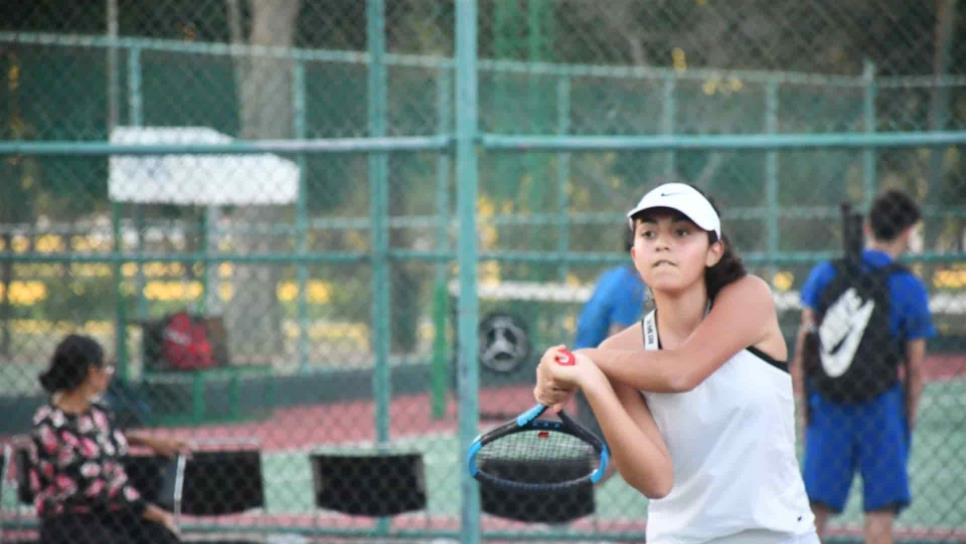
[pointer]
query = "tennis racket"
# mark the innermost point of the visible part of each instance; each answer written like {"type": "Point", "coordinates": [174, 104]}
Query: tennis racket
{"type": "Point", "coordinates": [852, 238]}
{"type": "Point", "coordinates": [532, 454]}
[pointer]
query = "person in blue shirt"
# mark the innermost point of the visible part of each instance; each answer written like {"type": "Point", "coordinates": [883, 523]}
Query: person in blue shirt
{"type": "Point", "coordinates": [872, 435]}
{"type": "Point", "coordinates": [616, 303]}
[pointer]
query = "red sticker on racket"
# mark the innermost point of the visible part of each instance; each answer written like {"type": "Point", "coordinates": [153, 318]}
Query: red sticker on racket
{"type": "Point", "coordinates": [566, 358]}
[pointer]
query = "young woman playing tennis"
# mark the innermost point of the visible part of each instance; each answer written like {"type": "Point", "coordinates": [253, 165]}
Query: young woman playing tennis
{"type": "Point", "coordinates": [696, 403]}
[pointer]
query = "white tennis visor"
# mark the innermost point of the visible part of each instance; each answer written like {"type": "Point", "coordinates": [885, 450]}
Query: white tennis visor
{"type": "Point", "coordinates": [683, 198]}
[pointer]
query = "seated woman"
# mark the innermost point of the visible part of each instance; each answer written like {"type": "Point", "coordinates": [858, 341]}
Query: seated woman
{"type": "Point", "coordinates": [82, 493]}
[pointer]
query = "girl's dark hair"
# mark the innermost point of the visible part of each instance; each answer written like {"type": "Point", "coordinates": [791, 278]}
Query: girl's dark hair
{"type": "Point", "coordinates": [728, 269]}
{"type": "Point", "coordinates": [69, 364]}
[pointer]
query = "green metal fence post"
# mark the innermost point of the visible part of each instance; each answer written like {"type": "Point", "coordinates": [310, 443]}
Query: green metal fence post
{"type": "Point", "coordinates": [301, 214]}
{"type": "Point", "coordinates": [563, 173]}
{"type": "Point", "coordinates": [120, 311]}
{"type": "Point", "coordinates": [467, 178]}
{"type": "Point", "coordinates": [207, 218]}
{"type": "Point", "coordinates": [668, 113]}
{"type": "Point", "coordinates": [379, 220]}
{"type": "Point", "coordinates": [136, 119]}
{"type": "Point", "coordinates": [439, 376]}
{"type": "Point", "coordinates": [539, 116]}
{"type": "Point", "coordinates": [135, 113]}
{"type": "Point", "coordinates": [379, 215]}
{"type": "Point", "coordinates": [869, 153]}
{"type": "Point", "coordinates": [135, 99]}
{"type": "Point", "coordinates": [771, 177]}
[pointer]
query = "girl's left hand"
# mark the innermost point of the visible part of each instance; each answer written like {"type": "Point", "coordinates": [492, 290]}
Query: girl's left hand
{"type": "Point", "coordinates": [557, 382]}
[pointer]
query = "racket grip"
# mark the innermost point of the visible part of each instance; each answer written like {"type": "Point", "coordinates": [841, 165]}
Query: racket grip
{"type": "Point", "coordinates": [566, 358]}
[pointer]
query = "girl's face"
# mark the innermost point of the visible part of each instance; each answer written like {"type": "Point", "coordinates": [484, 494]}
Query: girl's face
{"type": "Point", "coordinates": [670, 252]}
{"type": "Point", "coordinates": [99, 377]}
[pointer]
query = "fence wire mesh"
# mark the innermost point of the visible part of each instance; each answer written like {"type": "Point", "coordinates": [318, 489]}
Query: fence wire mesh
{"type": "Point", "coordinates": [292, 315]}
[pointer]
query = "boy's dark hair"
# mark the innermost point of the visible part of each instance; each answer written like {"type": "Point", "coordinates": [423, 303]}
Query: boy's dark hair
{"type": "Point", "coordinates": [728, 269]}
{"type": "Point", "coordinates": [69, 364]}
{"type": "Point", "coordinates": [892, 213]}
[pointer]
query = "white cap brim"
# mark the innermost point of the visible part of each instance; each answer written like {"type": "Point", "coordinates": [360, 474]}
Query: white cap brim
{"type": "Point", "coordinates": [683, 198]}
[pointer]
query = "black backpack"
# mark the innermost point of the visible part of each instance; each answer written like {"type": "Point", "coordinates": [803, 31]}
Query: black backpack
{"type": "Point", "coordinates": [851, 355]}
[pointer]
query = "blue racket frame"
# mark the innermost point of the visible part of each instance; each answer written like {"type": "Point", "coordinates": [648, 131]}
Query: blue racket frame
{"type": "Point", "coordinates": [528, 421]}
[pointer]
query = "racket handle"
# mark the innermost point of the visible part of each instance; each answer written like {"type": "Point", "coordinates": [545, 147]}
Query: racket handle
{"type": "Point", "coordinates": [566, 358]}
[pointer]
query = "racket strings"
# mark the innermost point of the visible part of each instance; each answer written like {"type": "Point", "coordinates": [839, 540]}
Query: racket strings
{"type": "Point", "coordinates": [538, 456]}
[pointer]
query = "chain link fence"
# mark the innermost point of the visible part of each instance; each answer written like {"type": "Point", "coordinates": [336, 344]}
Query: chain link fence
{"type": "Point", "coordinates": [289, 307]}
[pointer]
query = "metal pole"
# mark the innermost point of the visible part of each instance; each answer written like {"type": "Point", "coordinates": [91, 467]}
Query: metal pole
{"type": "Point", "coordinates": [211, 291]}
{"type": "Point", "coordinates": [112, 85]}
{"type": "Point", "coordinates": [868, 154]}
{"type": "Point", "coordinates": [135, 103]}
{"type": "Point", "coordinates": [206, 265]}
{"type": "Point", "coordinates": [120, 347]}
{"type": "Point", "coordinates": [379, 219]}
{"type": "Point", "coordinates": [301, 215]}
{"type": "Point", "coordinates": [771, 176]}
{"type": "Point", "coordinates": [466, 178]}
{"type": "Point", "coordinates": [120, 338]}
{"type": "Point", "coordinates": [563, 173]}
{"type": "Point", "coordinates": [379, 215]}
{"type": "Point", "coordinates": [668, 113]}
{"type": "Point", "coordinates": [439, 377]}
{"type": "Point", "coordinates": [135, 116]}
{"type": "Point", "coordinates": [939, 109]}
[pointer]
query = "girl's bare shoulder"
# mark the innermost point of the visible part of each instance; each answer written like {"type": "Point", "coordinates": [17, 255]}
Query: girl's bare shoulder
{"type": "Point", "coordinates": [629, 338]}
{"type": "Point", "coordinates": [747, 288]}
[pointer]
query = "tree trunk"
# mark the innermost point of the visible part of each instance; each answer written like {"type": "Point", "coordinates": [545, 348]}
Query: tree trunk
{"type": "Point", "coordinates": [253, 316]}
{"type": "Point", "coordinates": [939, 108]}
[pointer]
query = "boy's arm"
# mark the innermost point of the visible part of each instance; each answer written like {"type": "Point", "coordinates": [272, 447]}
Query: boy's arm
{"type": "Point", "coordinates": [915, 355]}
{"type": "Point", "coordinates": [797, 363]}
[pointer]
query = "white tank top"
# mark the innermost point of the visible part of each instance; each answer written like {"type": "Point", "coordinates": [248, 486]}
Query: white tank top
{"type": "Point", "coordinates": [732, 444]}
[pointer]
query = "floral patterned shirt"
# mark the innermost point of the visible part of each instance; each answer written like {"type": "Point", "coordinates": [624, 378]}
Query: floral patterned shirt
{"type": "Point", "coordinates": [76, 463]}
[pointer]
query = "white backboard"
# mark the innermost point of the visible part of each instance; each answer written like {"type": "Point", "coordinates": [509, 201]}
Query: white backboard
{"type": "Point", "coordinates": [204, 180]}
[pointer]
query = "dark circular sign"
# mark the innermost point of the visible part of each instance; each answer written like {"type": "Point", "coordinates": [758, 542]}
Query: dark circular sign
{"type": "Point", "coordinates": [504, 342]}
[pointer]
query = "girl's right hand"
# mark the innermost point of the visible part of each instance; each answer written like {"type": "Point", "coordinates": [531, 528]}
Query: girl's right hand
{"type": "Point", "coordinates": [169, 524]}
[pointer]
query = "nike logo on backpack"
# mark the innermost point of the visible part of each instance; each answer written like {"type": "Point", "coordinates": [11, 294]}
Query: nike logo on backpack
{"type": "Point", "coordinates": [841, 331]}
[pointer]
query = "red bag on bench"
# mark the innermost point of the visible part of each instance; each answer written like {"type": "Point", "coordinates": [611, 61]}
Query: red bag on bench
{"type": "Point", "coordinates": [186, 345]}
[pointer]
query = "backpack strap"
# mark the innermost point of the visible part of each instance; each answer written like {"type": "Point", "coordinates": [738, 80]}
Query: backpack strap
{"type": "Point", "coordinates": [891, 268]}
{"type": "Point", "coordinates": [856, 268]}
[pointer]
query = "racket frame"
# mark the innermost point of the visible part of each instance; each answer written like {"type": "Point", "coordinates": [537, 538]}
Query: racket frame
{"type": "Point", "coordinates": [528, 421]}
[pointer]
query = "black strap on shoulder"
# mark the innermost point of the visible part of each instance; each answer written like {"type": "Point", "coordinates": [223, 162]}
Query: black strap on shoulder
{"type": "Point", "coordinates": [892, 268]}
{"type": "Point", "coordinates": [780, 365]}
{"type": "Point", "coordinates": [857, 268]}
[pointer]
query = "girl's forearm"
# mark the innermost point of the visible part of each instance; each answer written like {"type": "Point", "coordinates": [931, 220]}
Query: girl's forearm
{"type": "Point", "coordinates": [641, 462]}
{"type": "Point", "coordinates": [644, 370]}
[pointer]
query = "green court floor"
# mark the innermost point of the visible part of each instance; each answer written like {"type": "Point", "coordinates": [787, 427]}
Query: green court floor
{"type": "Point", "coordinates": [938, 467]}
